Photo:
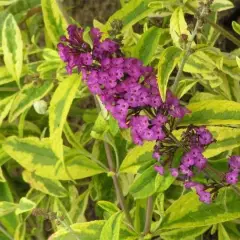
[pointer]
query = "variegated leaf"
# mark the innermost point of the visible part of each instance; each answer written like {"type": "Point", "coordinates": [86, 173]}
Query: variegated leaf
{"type": "Point", "coordinates": [12, 45]}
{"type": "Point", "coordinates": [27, 96]}
{"type": "Point", "coordinates": [168, 60]}
{"type": "Point", "coordinates": [85, 231]}
{"type": "Point", "coordinates": [54, 20]}
{"type": "Point", "coordinates": [39, 157]}
{"type": "Point", "coordinates": [45, 185]}
{"type": "Point", "coordinates": [212, 112]}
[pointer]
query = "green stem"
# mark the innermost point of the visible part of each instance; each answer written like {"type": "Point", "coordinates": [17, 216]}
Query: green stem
{"type": "Point", "coordinates": [149, 212]}
{"type": "Point", "coordinates": [21, 124]}
{"type": "Point", "coordinates": [5, 232]}
{"type": "Point", "coordinates": [116, 183]}
{"type": "Point", "coordinates": [117, 186]}
{"type": "Point", "coordinates": [217, 27]}
{"type": "Point", "coordinates": [187, 54]}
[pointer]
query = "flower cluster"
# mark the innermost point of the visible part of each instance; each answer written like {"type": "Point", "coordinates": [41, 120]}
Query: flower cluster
{"type": "Point", "coordinates": [234, 170]}
{"type": "Point", "coordinates": [126, 87]}
{"type": "Point", "coordinates": [194, 141]}
{"type": "Point", "coordinates": [204, 196]}
{"type": "Point", "coordinates": [129, 91]}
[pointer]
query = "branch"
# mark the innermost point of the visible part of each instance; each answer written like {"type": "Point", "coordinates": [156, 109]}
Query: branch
{"type": "Point", "coordinates": [220, 29]}
{"type": "Point", "coordinates": [187, 53]}
{"type": "Point", "coordinates": [149, 212]}
{"type": "Point", "coordinates": [116, 183]}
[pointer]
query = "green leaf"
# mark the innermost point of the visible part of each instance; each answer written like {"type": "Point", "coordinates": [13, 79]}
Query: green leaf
{"type": "Point", "coordinates": [209, 33]}
{"type": "Point", "coordinates": [136, 157]}
{"type": "Point", "coordinates": [79, 206]}
{"type": "Point", "coordinates": [144, 184]}
{"type": "Point", "coordinates": [185, 85]}
{"type": "Point", "coordinates": [61, 103]}
{"type": "Point", "coordinates": [238, 61]}
{"type": "Point", "coordinates": [221, 5]}
{"type": "Point", "coordinates": [25, 205]}
{"type": "Point", "coordinates": [162, 183]}
{"type": "Point", "coordinates": [9, 221]}
{"type": "Point", "coordinates": [199, 62]}
{"type": "Point", "coordinates": [111, 228]}
{"type": "Point", "coordinates": [85, 231]}
{"type": "Point", "coordinates": [5, 76]}
{"type": "Point", "coordinates": [12, 45]}
{"type": "Point", "coordinates": [38, 156]}
{"type": "Point", "coordinates": [140, 214]}
{"type": "Point", "coordinates": [147, 44]}
{"type": "Point", "coordinates": [9, 129]}
{"type": "Point", "coordinates": [20, 233]}
{"type": "Point", "coordinates": [236, 27]}
{"type": "Point", "coordinates": [222, 233]}
{"type": "Point", "coordinates": [160, 3]}
{"type": "Point", "coordinates": [7, 2]}
{"type": "Point", "coordinates": [6, 208]}
{"type": "Point", "coordinates": [168, 60]}
{"type": "Point", "coordinates": [54, 20]}
{"type": "Point", "coordinates": [178, 26]}
{"type": "Point", "coordinates": [188, 211]}
{"type": "Point", "coordinates": [184, 234]}
{"type": "Point", "coordinates": [108, 207]}
{"type": "Point", "coordinates": [113, 125]}
{"type": "Point", "coordinates": [130, 14]}
{"type": "Point", "coordinates": [5, 106]}
{"type": "Point", "coordinates": [209, 113]}
{"type": "Point", "coordinates": [203, 96]}
{"type": "Point", "coordinates": [2, 178]}
{"type": "Point", "coordinates": [227, 139]}
{"type": "Point", "coordinates": [27, 96]}
{"type": "Point", "coordinates": [45, 185]}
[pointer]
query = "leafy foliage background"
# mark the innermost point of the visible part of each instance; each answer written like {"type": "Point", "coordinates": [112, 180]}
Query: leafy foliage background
{"type": "Point", "coordinates": [52, 136]}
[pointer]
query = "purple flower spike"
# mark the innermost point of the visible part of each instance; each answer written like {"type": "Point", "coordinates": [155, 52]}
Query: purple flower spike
{"type": "Point", "coordinates": [174, 172]}
{"type": "Point", "coordinates": [205, 197]}
{"type": "Point", "coordinates": [232, 177]}
{"type": "Point", "coordinates": [159, 169]}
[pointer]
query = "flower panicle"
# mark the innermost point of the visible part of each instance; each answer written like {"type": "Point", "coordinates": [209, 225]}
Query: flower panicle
{"type": "Point", "coordinates": [129, 91]}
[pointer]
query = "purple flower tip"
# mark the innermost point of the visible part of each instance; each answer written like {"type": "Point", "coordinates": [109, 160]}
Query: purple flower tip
{"type": "Point", "coordinates": [232, 177]}
{"type": "Point", "coordinates": [159, 169]}
{"type": "Point", "coordinates": [174, 172]}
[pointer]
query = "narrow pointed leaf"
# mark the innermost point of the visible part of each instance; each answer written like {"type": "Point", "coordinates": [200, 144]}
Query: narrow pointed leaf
{"type": "Point", "coordinates": [131, 13]}
{"type": "Point", "coordinates": [38, 156]}
{"type": "Point", "coordinates": [84, 231]}
{"type": "Point", "coordinates": [111, 228]}
{"type": "Point", "coordinates": [236, 27]}
{"type": "Point", "coordinates": [178, 26]}
{"type": "Point", "coordinates": [54, 20]}
{"type": "Point", "coordinates": [147, 44]}
{"type": "Point", "coordinates": [136, 157]}
{"type": "Point", "coordinates": [188, 211]}
{"type": "Point", "coordinates": [212, 112]}
{"type": "Point", "coordinates": [12, 45]}
{"type": "Point", "coordinates": [6, 208]}
{"type": "Point", "coordinates": [5, 106]}
{"type": "Point", "coordinates": [61, 103]}
{"type": "Point", "coordinates": [27, 96]}
{"type": "Point", "coordinates": [168, 60]}
{"type": "Point", "coordinates": [45, 185]}
{"type": "Point", "coordinates": [25, 205]}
